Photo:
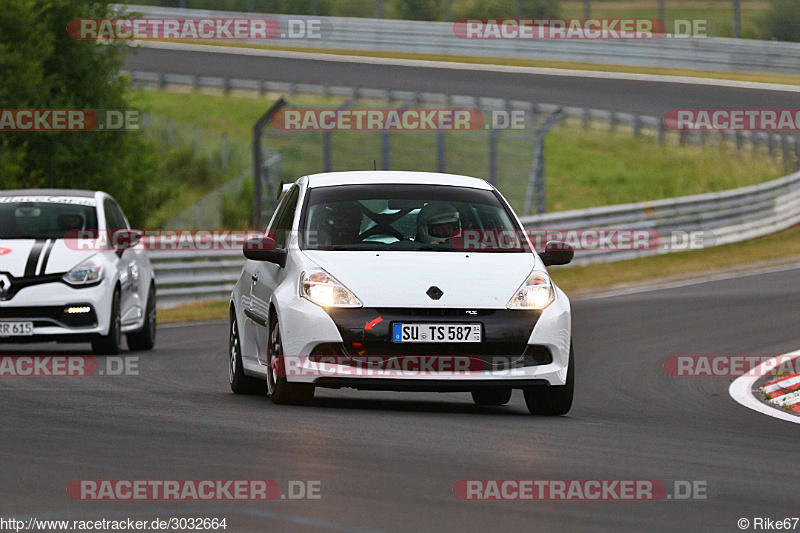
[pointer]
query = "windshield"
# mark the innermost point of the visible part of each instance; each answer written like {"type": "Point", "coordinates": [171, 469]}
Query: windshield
{"type": "Point", "coordinates": [44, 219]}
{"type": "Point", "coordinates": [404, 217]}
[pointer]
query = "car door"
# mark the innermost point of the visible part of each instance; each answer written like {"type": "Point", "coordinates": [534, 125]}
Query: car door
{"type": "Point", "coordinates": [267, 276]}
{"type": "Point", "coordinates": [127, 268]}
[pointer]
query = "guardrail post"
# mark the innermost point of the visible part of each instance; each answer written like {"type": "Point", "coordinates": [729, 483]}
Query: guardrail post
{"type": "Point", "coordinates": [739, 140]}
{"type": "Point", "coordinates": [662, 129]}
{"type": "Point", "coordinates": [226, 86]}
{"type": "Point", "coordinates": [585, 118]}
{"type": "Point", "coordinates": [637, 125]}
{"type": "Point", "coordinates": [682, 137]}
{"type": "Point", "coordinates": [703, 138]}
{"type": "Point", "coordinates": [195, 83]}
{"type": "Point", "coordinates": [612, 121]}
{"type": "Point", "coordinates": [770, 144]}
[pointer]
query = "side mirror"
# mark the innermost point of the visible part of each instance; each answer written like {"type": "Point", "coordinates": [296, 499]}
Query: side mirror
{"type": "Point", "coordinates": [263, 249]}
{"type": "Point", "coordinates": [126, 238]}
{"type": "Point", "coordinates": [557, 253]}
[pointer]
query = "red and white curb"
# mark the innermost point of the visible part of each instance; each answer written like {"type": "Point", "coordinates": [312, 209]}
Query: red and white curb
{"type": "Point", "coordinates": [784, 392]}
{"type": "Point", "coordinates": [783, 395]}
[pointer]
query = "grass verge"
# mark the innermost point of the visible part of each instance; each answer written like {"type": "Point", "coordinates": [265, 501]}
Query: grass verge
{"type": "Point", "coordinates": [575, 281]}
{"type": "Point", "coordinates": [585, 168]}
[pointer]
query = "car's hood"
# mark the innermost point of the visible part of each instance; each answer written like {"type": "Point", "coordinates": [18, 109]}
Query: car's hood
{"type": "Point", "coordinates": [35, 257]}
{"type": "Point", "coordinates": [401, 279]}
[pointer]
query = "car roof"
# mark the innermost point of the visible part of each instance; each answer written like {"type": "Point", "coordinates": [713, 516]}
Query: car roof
{"type": "Point", "coordinates": [388, 177]}
{"type": "Point", "coordinates": [78, 193]}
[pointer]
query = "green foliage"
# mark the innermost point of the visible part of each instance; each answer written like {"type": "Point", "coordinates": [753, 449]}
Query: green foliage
{"type": "Point", "coordinates": [417, 9]}
{"type": "Point", "coordinates": [505, 8]}
{"type": "Point", "coordinates": [782, 21]}
{"type": "Point", "coordinates": [237, 210]}
{"type": "Point", "coordinates": [41, 67]}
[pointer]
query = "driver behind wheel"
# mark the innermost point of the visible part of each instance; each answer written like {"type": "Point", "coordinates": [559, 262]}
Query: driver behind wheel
{"type": "Point", "coordinates": [436, 222]}
{"type": "Point", "coordinates": [341, 224]}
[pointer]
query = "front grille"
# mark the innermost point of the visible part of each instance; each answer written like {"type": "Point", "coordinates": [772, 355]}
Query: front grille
{"type": "Point", "coordinates": [43, 316]}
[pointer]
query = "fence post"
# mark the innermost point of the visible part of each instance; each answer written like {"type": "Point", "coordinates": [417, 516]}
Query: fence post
{"type": "Point", "coordinates": [258, 159]}
{"type": "Point", "coordinates": [585, 118]}
{"type": "Point", "coordinates": [536, 183]}
{"type": "Point", "coordinates": [440, 150]}
{"type": "Point", "coordinates": [493, 156]}
{"type": "Point", "coordinates": [739, 140]}
{"type": "Point", "coordinates": [796, 152]}
{"type": "Point", "coordinates": [612, 121]}
{"type": "Point", "coordinates": [637, 125]}
{"type": "Point", "coordinates": [223, 151]}
{"type": "Point", "coordinates": [661, 131]}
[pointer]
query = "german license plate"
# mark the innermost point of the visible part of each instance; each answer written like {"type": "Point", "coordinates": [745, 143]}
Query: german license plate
{"type": "Point", "coordinates": [436, 332]}
{"type": "Point", "coordinates": [16, 329]}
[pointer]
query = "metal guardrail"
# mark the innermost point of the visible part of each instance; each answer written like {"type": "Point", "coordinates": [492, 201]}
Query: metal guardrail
{"type": "Point", "coordinates": [727, 217]}
{"type": "Point", "coordinates": [712, 53]}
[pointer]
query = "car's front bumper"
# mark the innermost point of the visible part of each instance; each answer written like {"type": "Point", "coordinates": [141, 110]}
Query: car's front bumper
{"type": "Point", "coordinates": [509, 340]}
{"type": "Point", "coordinates": [46, 306]}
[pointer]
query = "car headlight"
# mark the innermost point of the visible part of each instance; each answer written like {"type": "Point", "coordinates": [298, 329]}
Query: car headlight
{"type": "Point", "coordinates": [324, 290]}
{"type": "Point", "coordinates": [536, 293]}
{"type": "Point", "coordinates": [87, 272]}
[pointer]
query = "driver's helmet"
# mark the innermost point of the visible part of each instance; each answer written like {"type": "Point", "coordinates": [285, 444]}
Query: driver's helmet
{"type": "Point", "coordinates": [436, 221]}
{"type": "Point", "coordinates": [342, 223]}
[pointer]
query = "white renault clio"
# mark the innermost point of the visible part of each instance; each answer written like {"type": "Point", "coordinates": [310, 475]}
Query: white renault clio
{"type": "Point", "coordinates": [63, 278]}
{"type": "Point", "coordinates": [401, 281]}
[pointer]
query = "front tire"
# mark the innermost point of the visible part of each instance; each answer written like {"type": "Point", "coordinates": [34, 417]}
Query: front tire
{"type": "Point", "coordinates": [145, 338]}
{"type": "Point", "coordinates": [240, 382]}
{"type": "Point", "coordinates": [281, 391]}
{"type": "Point", "coordinates": [491, 396]}
{"type": "Point", "coordinates": [553, 400]}
{"type": "Point", "coordinates": [109, 344]}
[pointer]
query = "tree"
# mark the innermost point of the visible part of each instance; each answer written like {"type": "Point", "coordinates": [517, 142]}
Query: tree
{"type": "Point", "coordinates": [42, 67]}
{"type": "Point", "coordinates": [782, 21]}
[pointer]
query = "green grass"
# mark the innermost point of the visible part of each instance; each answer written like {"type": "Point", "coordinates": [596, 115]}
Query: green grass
{"type": "Point", "coordinates": [719, 13]}
{"type": "Point", "coordinates": [584, 168]}
{"type": "Point", "coordinates": [194, 312]}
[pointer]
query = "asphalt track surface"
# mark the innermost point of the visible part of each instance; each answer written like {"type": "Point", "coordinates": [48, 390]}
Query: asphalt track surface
{"type": "Point", "coordinates": [632, 96]}
{"type": "Point", "coordinates": [388, 461]}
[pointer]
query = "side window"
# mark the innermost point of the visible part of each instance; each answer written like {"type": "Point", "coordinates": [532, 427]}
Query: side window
{"type": "Point", "coordinates": [284, 223]}
{"type": "Point", "coordinates": [113, 219]}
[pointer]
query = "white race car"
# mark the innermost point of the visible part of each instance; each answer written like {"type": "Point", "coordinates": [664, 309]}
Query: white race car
{"type": "Point", "coordinates": [70, 271]}
{"type": "Point", "coordinates": [402, 281]}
